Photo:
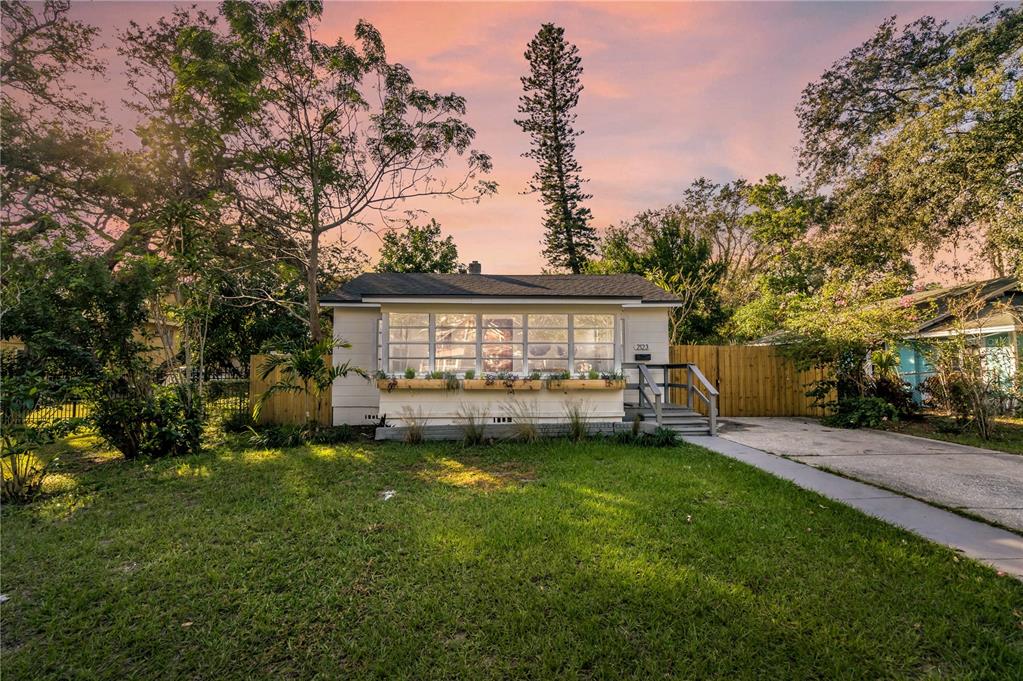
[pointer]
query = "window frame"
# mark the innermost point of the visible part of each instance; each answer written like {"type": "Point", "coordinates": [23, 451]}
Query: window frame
{"type": "Point", "coordinates": [385, 357]}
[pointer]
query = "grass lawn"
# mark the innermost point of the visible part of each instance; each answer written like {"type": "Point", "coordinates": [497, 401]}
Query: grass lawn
{"type": "Point", "coordinates": [546, 561]}
{"type": "Point", "coordinates": [1008, 434]}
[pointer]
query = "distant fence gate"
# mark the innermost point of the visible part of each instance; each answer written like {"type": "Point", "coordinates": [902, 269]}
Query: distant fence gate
{"type": "Point", "coordinates": [753, 380]}
{"type": "Point", "coordinates": [284, 407]}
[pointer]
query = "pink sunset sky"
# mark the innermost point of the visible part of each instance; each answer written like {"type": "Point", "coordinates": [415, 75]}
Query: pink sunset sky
{"type": "Point", "coordinates": [672, 92]}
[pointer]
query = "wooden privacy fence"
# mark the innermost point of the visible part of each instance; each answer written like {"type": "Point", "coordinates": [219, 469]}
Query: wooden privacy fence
{"type": "Point", "coordinates": [285, 407]}
{"type": "Point", "coordinates": [753, 380]}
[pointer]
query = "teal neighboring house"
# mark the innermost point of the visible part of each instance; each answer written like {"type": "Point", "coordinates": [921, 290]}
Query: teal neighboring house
{"type": "Point", "coordinates": [994, 328]}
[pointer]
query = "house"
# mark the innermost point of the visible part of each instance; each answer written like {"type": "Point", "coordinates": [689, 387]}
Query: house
{"type": "Point", "coordinates": [993, 325]}
{"type": "Point", "coordinates": [442, 344]}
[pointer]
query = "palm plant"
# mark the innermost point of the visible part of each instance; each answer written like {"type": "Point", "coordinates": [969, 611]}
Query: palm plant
{"type": "Point", "coordinates": [302, 368]}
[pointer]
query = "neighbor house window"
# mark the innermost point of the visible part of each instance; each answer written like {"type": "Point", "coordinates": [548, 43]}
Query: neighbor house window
{"type": "Point", "coordinates": [547, 342]}
{"type": "Point", "coordinates": [502, 344]}
{"type": "Point", "coordinates": [455, 342]}
{"type": "Point", "coordinates": [408, 346]}
{"type": "Point", "coordinates": [593, 337]}
{"type": "Point", "coordinates": [493, 343]}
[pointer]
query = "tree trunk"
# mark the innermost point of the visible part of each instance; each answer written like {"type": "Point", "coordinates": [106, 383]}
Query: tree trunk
{"type": "Point", "coordinates": [312, 295]}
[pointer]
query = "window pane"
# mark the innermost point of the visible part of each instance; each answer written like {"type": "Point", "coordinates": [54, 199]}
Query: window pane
{"type": "Point", "coordinates": [593, 335]}
{"type": "Point", "coordinates": [548, 321]}
{"type": "Point", "coordinates": [455, 364]}
{"type": "Point", "coordinates": [408, 335]}
{"type": "Point", "coordinates": [548, 351]}
{"type": "Point", "coordinates": [467, 321]}
{"type": "Point", "coordinates": [398, 366]}
{"type": "Point", "coordinates": [601, 365]}
{"type": "Point", "coordinates": [502, 335]}
{"type": "Point", "coordinates": [455, 350]}
{"type": "Point", "coordinates": [456, 335]}
{"type": "Point", "coordinates": [594, 351]}
{"type": "Point", "coordinates": [408, 319]}
{"type": "Point", "coordinates": [548, 335]}
{"type": "Point", "coordinates": [593, 321]}
{"type": "Point", "coordinates": [403, 350]}
{"type": "Point", "coordinates": [548, 365]}
{"type": "Point", "coordinates": [502, 350]}
{"type": "Point", "coordinates": [502, 321]}
{"type": "Point", "coordinates": [499, 364]}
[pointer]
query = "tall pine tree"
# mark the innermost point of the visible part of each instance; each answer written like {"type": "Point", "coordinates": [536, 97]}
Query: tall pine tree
{"type": "Point", "coordinates": [551, 92]}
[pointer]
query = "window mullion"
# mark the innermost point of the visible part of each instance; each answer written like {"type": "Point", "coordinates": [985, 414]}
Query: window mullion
{"type": "Point", "coordinates": [432, 343]}
{"type": "Point", "coordinates": [571, 343]}
{"type": "Point", "coordinates": [479, 343]}
{"type": "Point", "coordinates": [525, 344]}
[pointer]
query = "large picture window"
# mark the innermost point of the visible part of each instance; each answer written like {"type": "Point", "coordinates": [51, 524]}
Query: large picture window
{"type": "Point", "coordinates": [593, 337]}
{"type": "Point", "coordinates": [456, 342]}
{"type": "Point", "coordinates": [493, 343]}
{"type": "Point", "coordinates": [547, 340]}
{"type": "Point", "coordinates": [408, 345]}
{"type": "Point", "coordinates": [502, 344]}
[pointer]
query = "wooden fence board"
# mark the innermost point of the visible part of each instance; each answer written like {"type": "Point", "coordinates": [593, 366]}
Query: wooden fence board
{"type": "Point", "coordinates": [753, 380]}
{"type": "Point", "coordinates": [282, 408]}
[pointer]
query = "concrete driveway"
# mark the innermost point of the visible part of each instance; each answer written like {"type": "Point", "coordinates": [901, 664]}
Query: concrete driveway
{"type": "Point", "coordinates": [985, 483]}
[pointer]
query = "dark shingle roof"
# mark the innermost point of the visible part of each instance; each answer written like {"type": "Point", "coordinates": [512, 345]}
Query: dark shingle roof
{"type": "Point", "coordinates": [398, 285]}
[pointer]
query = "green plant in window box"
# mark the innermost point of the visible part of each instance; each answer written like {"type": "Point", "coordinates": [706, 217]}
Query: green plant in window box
{"type": "Point", "coordinates": [470, 374]}
{"type": "Point", "coordinates": [410, 373]}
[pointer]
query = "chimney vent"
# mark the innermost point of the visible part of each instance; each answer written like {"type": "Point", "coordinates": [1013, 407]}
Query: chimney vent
{"type": "Point", "coordinates": [475, 267]}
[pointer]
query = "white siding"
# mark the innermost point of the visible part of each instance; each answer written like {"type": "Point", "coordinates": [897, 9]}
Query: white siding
{"type": "Point", "coordinates": [649, 326]}
{"type": "Point", "coordinates": [441, 407]}
{"type": "Point", "coordinates": [353, 398]}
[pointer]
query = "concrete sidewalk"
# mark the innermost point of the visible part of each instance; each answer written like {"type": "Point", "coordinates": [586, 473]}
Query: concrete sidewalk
{"type": "Point", "coordinates": [999, 548]}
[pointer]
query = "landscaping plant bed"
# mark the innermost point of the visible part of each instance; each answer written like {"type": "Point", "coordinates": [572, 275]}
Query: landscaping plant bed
{"type": "Point", "coordinates": [586, 384]}
{"type": "Point", "coordinates": [392, 384]}
{"type": "Point", "coordinates": [509, 384]}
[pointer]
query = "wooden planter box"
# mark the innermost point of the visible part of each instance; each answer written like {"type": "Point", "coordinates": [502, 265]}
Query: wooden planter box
{"type": "Point", "coordinates": [585, 384]}
{"type": "Point", "coordinates": [511, 385]}
{"type": "Point", "coordinates": [392, 384]}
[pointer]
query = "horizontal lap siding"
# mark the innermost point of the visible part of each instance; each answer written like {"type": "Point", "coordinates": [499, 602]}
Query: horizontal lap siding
{"type": "Point", "coordinates": [441, 407]}
{"type": "Point", "coordinates": [353, 397]}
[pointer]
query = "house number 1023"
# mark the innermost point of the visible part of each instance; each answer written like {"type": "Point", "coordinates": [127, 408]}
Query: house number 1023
{"type": "Point", "coordinates": [642, 346]}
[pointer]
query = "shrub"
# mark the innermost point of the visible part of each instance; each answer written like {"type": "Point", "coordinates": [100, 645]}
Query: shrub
{"type": "Point", "coordinates": [861, 412]}
{"type": "Point", "coordinates": [472, 421]}
{"type": "Point", "coordinates": [335, 435]}
{"type": "Point", "coordinates": [148, 425]}
{"type": "Point", "coordinates": [277, 436]}
{"type": "Point", "coordinates": [662, 437]}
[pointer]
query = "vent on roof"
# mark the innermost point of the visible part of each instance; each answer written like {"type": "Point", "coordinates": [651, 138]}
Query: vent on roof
{"type": "Point", "coordinates": [475, 267]}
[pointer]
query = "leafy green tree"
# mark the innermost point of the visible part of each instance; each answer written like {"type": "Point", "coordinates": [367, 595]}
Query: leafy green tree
{"type": "Point", "coordinates": [338, 137]}
{"type": "Point", "coordinates": [660, 246]}
{"type": "Point", "coordinates": [418, 249]}
{"type": "Point", "coordinates": [918, 131]}
{"type": "Point", "coordinates": [551, 93]}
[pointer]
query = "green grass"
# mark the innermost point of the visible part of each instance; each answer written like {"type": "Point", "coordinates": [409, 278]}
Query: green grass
{"type": "Point", "coordinates": [556, 560]}
{"type": "Point", "coordinates": [1007, 436]}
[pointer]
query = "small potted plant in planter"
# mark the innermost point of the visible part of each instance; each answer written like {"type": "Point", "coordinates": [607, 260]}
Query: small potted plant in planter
{"type": "Point", "coordinates": [438, 380]}
{"type": "Point", "coordinates": [589, 380]}
{"type": "Point", "coordinates": [502, 381]}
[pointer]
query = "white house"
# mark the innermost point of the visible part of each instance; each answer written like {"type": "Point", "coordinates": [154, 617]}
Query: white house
{"type": "Point", "coordinates": [481, 338]}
